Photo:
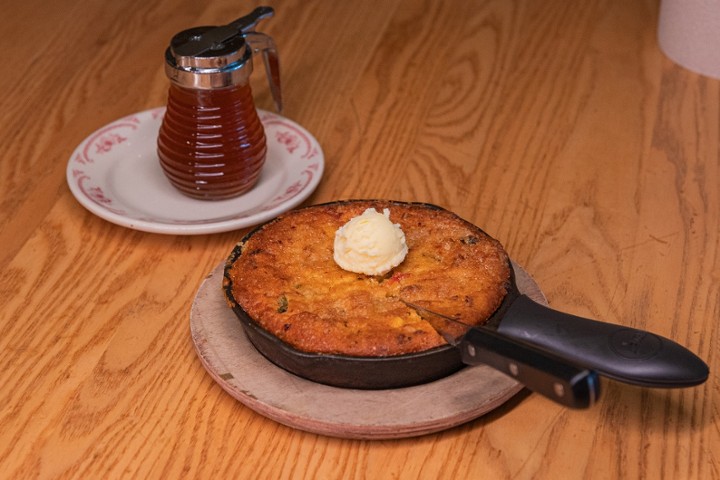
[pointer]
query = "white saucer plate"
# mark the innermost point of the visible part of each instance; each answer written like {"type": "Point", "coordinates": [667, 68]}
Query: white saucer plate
{"type": "Point", "coordinates": [115, 173]}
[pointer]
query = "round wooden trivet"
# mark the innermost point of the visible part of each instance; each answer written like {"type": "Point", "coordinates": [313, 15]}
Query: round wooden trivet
{"type": "Point", "coordinates": [245, 374]}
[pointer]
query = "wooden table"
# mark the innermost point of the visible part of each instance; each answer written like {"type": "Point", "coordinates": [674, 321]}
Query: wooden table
{"type": "Point", "coordinates": [558, 127]}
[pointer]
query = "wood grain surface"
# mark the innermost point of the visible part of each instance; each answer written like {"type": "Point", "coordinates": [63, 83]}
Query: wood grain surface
{"type": "Point", "coordinates": [558, 127]}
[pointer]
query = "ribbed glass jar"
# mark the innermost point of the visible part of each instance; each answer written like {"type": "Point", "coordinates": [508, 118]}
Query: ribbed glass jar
{"type": "Point", "coordinates": [211, 143]}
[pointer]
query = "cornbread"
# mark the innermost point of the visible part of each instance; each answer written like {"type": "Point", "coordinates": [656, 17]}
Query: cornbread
{"type": "Point", "coordinates": [286, 280]}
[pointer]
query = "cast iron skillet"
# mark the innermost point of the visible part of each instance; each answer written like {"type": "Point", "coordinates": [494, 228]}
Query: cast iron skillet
{"type": "Point", "coordinates": [339, 370]}
{"type": "Point", "coordinates": [622, 353]}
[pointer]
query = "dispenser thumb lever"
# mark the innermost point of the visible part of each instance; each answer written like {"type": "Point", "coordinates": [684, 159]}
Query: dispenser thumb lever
{"type": "Point", "coordinates": [248, 22]}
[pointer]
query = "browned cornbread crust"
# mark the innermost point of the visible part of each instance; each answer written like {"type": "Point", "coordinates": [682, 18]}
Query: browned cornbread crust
{"type": "Point", "coordinates": [287, 281]}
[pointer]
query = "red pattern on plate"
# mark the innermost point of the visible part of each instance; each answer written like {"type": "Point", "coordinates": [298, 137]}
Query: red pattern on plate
{"type": "Point", "coordinates": [95, 194]}
{"type": "Point", "coordinates": [99, 143]}
{"type": "Point", "coordinates": [290, 136]}
{"type": "Point", "coordinates": [105, 139]}
{"type": "Point", "coordinates": [296, 187]}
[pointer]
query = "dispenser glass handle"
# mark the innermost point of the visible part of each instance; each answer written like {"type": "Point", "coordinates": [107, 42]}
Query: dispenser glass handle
{"type": "Point", "coordinates": [261, 43]}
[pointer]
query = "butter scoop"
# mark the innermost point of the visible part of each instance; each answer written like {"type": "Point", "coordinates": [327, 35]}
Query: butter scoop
{"type": "Point", "coordinates": [370, 243]}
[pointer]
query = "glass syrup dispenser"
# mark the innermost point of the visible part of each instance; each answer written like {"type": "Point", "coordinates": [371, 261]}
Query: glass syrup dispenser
{"type": "Point", "coordinates": [211, 143]}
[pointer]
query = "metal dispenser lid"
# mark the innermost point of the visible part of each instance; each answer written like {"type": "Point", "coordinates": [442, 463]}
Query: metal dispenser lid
{"type": "Point", "coordinates": [221, 56]}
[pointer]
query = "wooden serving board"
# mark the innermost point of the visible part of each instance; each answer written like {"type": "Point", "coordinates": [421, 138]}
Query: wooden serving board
{"type": "Point", "coordinates": [245, 374]}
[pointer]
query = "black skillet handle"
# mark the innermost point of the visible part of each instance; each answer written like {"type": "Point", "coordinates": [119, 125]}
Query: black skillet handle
{"type": "Point", "coordinates": [625, 354]}
{"type": "Point", "coordinates": [539, 371]}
